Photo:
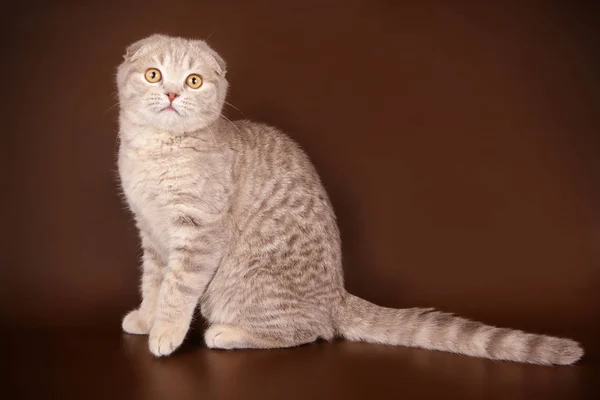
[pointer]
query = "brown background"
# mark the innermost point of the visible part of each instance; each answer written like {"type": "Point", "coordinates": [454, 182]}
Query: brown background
{"type": "Point", "coordinates": [459, 142]}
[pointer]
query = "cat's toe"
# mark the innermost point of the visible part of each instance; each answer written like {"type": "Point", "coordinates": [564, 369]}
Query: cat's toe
{"type": "Point", "coordinates": [135, 324]}
{"type": "Point", "coordinates": [222, 337]}
{"type": "Point", "coordinates": [166, 338]}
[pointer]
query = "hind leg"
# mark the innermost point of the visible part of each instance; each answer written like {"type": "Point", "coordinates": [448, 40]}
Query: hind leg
{"type": "Point", "coordinates": [221, 336]}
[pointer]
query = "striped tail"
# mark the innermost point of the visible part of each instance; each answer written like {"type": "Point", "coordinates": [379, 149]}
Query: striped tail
{"type": "Point", "coordinates": [359, 320]}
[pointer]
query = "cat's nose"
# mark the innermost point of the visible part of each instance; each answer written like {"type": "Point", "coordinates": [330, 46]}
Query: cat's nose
{"type": "Point", "coordinates": [172, 96]}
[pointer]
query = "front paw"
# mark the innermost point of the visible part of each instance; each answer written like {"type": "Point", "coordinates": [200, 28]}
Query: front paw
{"type": "Point", "coordinates": [136, 324]}
{"type": "Point", "coordinates": [165, 338]}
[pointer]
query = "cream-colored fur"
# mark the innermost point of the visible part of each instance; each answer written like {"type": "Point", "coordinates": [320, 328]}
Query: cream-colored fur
{"type": "Point", "coordinates": [233, 217]}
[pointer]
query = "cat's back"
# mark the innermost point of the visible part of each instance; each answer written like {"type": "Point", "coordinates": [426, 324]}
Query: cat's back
{"type": "Point", "coordinates": [277, 187]}
{"type": "Point", "coordinates": [265, 147]}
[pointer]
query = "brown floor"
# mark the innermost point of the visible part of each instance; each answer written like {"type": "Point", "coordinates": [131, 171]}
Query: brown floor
{"type": "Point", "coordinates": [77, 365]}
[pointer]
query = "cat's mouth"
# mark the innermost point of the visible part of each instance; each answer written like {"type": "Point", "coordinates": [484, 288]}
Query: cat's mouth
{"type": "Point", "coordinates": [170, 109]}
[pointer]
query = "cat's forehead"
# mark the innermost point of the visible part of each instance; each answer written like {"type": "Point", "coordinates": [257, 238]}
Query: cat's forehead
{"type": "Point", "coordinates": [175, 54]}
{"type": "Point", "coordinates": [178, 58]}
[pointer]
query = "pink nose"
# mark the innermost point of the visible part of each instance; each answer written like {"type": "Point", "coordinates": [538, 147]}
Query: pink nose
{"type": "Point", "coordinates": [172, 96]}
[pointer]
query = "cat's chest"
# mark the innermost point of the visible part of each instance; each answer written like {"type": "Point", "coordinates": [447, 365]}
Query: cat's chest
{"type": "Point", "coordinates": [155, 184]}
{"type": "Point", "coordinates": [158, 185]}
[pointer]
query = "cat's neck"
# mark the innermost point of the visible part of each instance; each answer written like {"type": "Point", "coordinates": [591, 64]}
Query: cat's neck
{"type": "Point", "coordinates": [148, 138]}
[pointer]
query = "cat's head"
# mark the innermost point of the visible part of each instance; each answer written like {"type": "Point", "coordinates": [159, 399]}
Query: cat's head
{"type": "Point", "coordinates": [171, 84]}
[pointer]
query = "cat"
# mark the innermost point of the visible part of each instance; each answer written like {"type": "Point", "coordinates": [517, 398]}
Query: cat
{"type": "Point", "coordinates": [233, 217]}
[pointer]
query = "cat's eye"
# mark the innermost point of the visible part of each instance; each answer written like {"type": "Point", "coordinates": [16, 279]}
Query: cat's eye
{"type": "Point", "coordinates": [153, 75]}
{"type": "Point", "coordinates": [194, 81]}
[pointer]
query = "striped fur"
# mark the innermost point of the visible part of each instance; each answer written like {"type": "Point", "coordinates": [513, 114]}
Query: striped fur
{"type": "Point", "coordinates": [233, 217]}
{"type": "Point", "coordinates": [360, 320]}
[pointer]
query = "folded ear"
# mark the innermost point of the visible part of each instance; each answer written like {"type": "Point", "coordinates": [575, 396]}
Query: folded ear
{"type": "Point", "coordinates": [137, 49]}
{"type": "Point", "coordinates": [220, 65]}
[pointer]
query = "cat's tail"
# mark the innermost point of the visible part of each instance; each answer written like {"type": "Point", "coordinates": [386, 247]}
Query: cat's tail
{"type": "Point", "coordinates": [359, 320]}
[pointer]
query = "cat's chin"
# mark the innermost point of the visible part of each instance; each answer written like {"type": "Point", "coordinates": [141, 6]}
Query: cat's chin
{"type": "Point", "coordinates": [169, 116]}
{"type": "Point", "coordinates": [170, 121]}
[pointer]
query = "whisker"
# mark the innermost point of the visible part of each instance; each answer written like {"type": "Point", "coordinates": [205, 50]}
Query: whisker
{"type": "Point", "coordinates": [231, 122]}
{"type": "Point", "coordinates": [228, 120]}
{"type": "Point", "coordinates": [113, 106]}
{"type": "Point", "coordinates": [110, 108]}
{"type": "Point", "coordinates": [240, 111]}
{"type": "Point", "coordinates": [210, 130]}
{"type": "Point", "coordinates": [210, 35]}
{"type": "Point", "coordinates": [212, 134]}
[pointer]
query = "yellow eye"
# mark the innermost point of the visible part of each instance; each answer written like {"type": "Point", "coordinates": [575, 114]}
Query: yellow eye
{"type": "Point", "coordinates": [153, 75]}
{"type": "Point", "coordinates": [194, 81]}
